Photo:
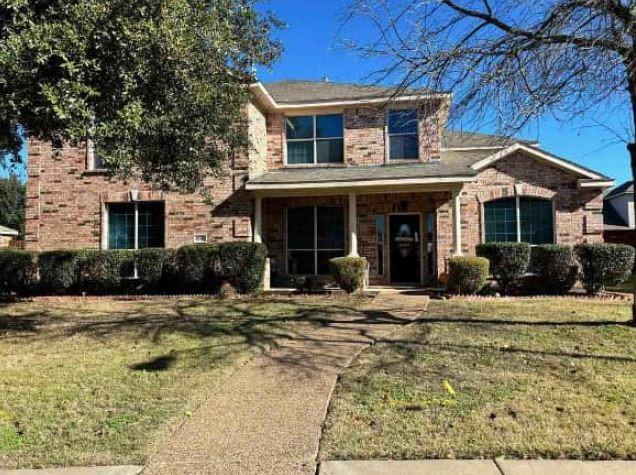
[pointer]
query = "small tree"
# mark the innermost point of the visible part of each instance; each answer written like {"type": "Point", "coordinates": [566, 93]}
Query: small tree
{"type": "Point", "coordinates": [511, 60]}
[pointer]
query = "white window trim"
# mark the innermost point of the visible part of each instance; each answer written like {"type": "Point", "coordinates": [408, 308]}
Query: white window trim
{"type": "Point", "coordinates": [315, 249]}
{"type": "Point", "coordinates": [90, 157]}
{"type": "Point", "coordinates": [518, 199]}
{"type": "Point", "coordinates": [314, 139]}
{"type": "Point", "coordinates": [402, 134]}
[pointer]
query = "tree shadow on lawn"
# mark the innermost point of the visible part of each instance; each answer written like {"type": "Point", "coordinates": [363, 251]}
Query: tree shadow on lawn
{"type": "Point", "coordinates": [301, 334]}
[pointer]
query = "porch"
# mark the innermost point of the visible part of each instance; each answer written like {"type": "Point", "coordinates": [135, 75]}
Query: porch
{"type": "Point", "coordinates": [406, 231]}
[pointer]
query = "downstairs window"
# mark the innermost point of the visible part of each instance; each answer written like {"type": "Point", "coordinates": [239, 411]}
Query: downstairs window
{"type": "Point", "coordinates": [519, 219]}
{"type": "Point", "coordinates": [135, 225]}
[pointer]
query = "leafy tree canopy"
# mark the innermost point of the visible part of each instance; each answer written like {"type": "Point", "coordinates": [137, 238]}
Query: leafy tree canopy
{"type": "Point", "coordinates": [159, 86]}
{"type": "Point", "coordinates": [12, 203]}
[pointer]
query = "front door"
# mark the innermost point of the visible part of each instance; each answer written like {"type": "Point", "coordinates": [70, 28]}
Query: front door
{"type": "Point", "coordinates": [404, 235]}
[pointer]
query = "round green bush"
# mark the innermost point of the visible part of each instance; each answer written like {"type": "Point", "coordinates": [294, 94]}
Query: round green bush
{"type": "Point", "coordinates": [242, 264]}
{"type": "Point", "coordinates": [554, 267]}
{"type": "Point", "coordinates": [155, 270]}
{"type": "Point", "coordinates": [508, 261]}
{"type": "Point", "coordinates": [18, 271]}
{"type": "Point", "coordinates": [348, 272]}
{"type": "Point", "coordinates": [195, 266]}
{"type": "Point", "coordinates": [101, 272]}
{"type": "Point", "coordinates": [604, 265]}
{"type": "Point", "coordinates": [58, 271]}
{"type": "Point", "coordinates": [467, 275]}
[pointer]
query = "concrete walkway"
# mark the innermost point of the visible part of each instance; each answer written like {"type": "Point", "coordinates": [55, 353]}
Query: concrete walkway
{"type": "Point", "coordinates": [268, 418]}
{"type": "Point", "coordinates": [478, 467]}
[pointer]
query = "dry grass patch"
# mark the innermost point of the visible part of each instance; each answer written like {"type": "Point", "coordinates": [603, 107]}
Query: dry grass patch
{"type": "Point", "coordinates": [101, 381]}
{"type": "Point", "coordinates": [524, 378]}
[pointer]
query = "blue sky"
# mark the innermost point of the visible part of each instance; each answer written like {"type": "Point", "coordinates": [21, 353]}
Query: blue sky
{"type": "Point", "coordinates": [312, 51]}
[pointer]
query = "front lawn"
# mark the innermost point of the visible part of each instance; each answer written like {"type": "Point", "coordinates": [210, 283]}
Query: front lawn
{"type": "Point", "coordinates": [521, 378]}
{"type": "Point", "coordinates": [103, 381]}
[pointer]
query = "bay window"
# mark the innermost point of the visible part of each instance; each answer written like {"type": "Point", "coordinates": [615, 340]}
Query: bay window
{"type": "Point", "coordinates": [315, 234]}
{"type": "Point", "coordinates": [403, 135]}
{"type": "Point", "coordinates": [314, 139]}
{"type": "Point", "coordinates": [520, 219]}
{"type": "Point", "coordinates": [135, 225]}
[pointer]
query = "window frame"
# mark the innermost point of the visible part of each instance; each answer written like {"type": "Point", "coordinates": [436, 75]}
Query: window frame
{"type": "Point", "coordinates": [91, 158]}
{"type": "Point", "coordinates": [315, 248]}
{"type": "Point", "coordinates": [314, 139]}
{"type": "Point", "coordinates": [106, 241]}
{"type": "Point", "coordinates": [402, 134]}
{"type": "Point", "coordinates": [380, 238]}
{"type": "Point", "coordinates": [518, 225]}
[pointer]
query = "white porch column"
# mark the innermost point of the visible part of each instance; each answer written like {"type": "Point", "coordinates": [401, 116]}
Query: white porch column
{"type": "Point", "coordinates": [258, 219]}
{"type": "Point", "coordinates": [457, 223]}
{"type": "Point", "coordinates": [353, 226]}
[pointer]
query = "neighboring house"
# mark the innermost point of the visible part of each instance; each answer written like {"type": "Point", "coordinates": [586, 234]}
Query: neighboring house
{"type": "Point", "coordinates": [333, 170]}
{"type": "Point", "coordinates": [7, 236]}
{"type": "Point", "coordinates": [618, 211]}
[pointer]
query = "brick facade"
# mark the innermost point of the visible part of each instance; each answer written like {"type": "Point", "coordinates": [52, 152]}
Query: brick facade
{"type": "Point", "coordinates": [66, 203]}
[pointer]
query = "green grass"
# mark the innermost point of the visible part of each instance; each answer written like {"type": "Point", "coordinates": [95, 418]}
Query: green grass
{"type": "Point", "coordinates": [521, 378]}
{"type": "Point", "coordinates": [103, 382]}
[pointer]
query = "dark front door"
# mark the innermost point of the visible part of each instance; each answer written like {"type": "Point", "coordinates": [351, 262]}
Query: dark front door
{"type": "Point", "coordinates": [404, 235]}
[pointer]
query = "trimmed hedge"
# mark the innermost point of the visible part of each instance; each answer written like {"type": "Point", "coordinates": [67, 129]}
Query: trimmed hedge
{"type": "Point", "coordinates": [101, 272]}
{"type": "Point", "coordinates": [348, 272]}
{"type": "Point", "coordinates": [467, 275]}
{"type": "Point", "coordinates": [508, 261]}
{"type": "Point", "coordinates": [58, 271]}
{"type": "Point", "coordinates": [554, 267]}
{"type": "Point", "coordinates": [194, 264]}
{"type": "Point", "coordinates": [155, 269]}
{"type": "Point", "coordinates": [18, 271]}
{"type": "Point", "coordinates": [242, 264]}
{"type": "Point", "coordinates": [604, 265]}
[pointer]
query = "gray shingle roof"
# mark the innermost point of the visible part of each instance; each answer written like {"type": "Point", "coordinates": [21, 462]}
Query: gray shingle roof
{"type": "Point", "coordinates": [4, 231]}
{"type": "Point", "coordinates": [436, 169]}
{"type": "Point", "coordinates": [464, 139]}
{"type": "Point", "coordinates": [305, 92]}
{"type": "Point", "coordinates": [627, 187]}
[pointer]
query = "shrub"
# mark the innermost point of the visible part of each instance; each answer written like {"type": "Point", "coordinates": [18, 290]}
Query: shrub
{"type": "Point", "coordinates": [467, 275]}
{"type": "Point", "coordinates": [194, 264]}
{"type": "Point", "coordinates": [18, 271]}
{"type": "Point", "coordinates": [554, 267]}
{"type": "Point", "coordinates": [58, 271]}
{"type": "Point", "coordinates": [242, 264]}
{"type": "Point", "coordinates": [155, 269]}
{"type": "Point", "coordinates": [508, 261]}
{"type": "Point", "coordinates": [348, 272]}
{"type": "Point", "coordinates": [604, 265]}
{"type": "Point", "coordinates": [100, 272]}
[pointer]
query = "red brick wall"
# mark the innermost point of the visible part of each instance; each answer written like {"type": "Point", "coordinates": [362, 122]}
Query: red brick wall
{"type": "Point", "coordinates": [64, 203]}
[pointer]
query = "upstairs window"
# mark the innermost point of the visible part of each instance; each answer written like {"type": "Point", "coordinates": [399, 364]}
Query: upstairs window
{"type": "Point", "coordinates": [135, 225]}
{"type": "Point", "coordinates": [403, 135]}
{"type": "Point", "coordinates": [314, 139]}
{"type": "Point", "coordinates": [94, 161]}
{"type": "Point", "coordinates": [519, 219]}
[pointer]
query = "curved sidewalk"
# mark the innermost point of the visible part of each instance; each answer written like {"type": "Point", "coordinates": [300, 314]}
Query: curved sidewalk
{"type": "Point", "coordinates": [267, 419]}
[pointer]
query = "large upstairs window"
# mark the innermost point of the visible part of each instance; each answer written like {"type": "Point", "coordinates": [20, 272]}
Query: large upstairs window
{"type": "Point", "coordinates": [315, 234]}
{"type": "Point", "coordinates": [519, 219]}
{"type": "Point", "coordinates": [135, 225]}
{"type": "Point", "coordinates": [403, 135]}
{"type": "Point", "coordinates": [314, 139]}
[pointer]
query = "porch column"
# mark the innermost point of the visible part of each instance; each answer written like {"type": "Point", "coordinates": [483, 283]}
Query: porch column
{"type": "Point", "coordinates": [258, 219]}
{"type": "Point", "coordinates": [353, 226]}
{"type": "Point", "coordinates": [457, 223]}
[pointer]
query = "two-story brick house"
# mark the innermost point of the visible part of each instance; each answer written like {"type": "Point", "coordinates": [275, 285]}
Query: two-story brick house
{"type": "Point", "coordinates": [333, 169]}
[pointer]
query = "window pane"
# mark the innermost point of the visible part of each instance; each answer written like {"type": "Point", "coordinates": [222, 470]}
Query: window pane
{"type": "Point", "coordinates": [151, 229]}
{"type": "Point", "coordinates": [328, 126]}
{"type": "Point", "coordinates": [323, 260]}
{"type": "Point", "coordinates": [330, 151]}
{"type": "Point", "coordinates": [379, 239]}
{"type": "Point", "coordinates": [300, 127]}
{"type": "Point", "coordinates": [300, 152]}
{"type": "Point", "coordinates": [301, 262]}
{"type": "Point", "coordinates": [500, 219]}
{"type": "Point", "coordinates": [403, 122]}
{"type": "Point", "coordinates": [403, 147]}
{"type": "Point", "coordinates": [300, 228]}
{"type": "Point", "coordinates": [536, 221]}
{"type": "Point", "coordinates": [121, 226]}
{"type": "Point", "coordinates": [330, 227]}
